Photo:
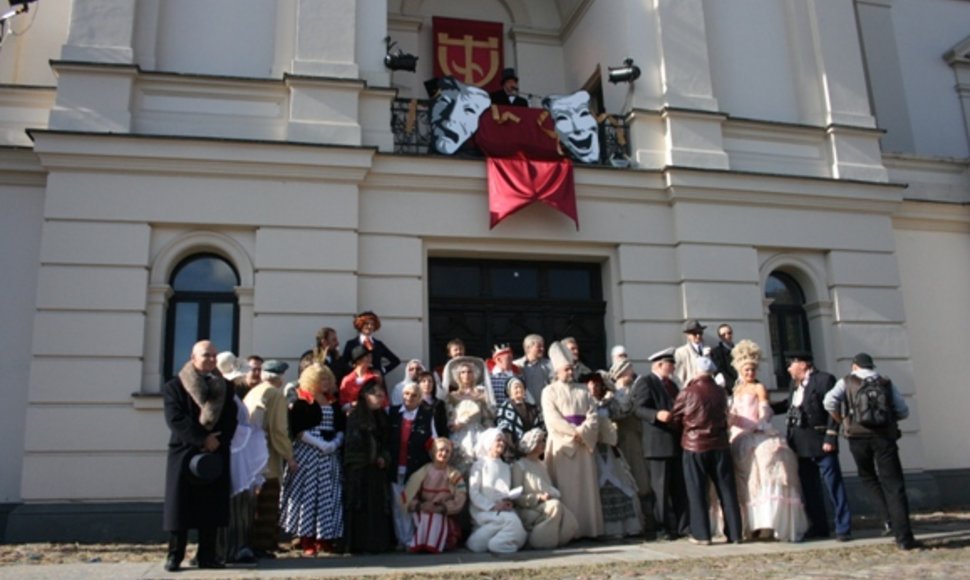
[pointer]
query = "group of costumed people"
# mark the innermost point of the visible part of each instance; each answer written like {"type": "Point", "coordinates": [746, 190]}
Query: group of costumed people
{"type": "Point", "coordinates": [481, 453]}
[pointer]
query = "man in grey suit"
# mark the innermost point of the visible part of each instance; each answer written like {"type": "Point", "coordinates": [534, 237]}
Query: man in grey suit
{"type": "Point", "coordinates": [653, 398]}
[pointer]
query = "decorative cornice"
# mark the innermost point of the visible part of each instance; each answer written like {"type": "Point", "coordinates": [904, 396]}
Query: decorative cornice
{"type": "Point", "coordinates": [543, 36]}
{"type": "Point", "coordinates": [20, 166]}
{"type": "Point", "coordinates": [125, 153]}
{"type": "Point", "coordinates": [959, 54]}
{"type": "Point", "coordinates": [401, 23]}
{"type": "Point", "coordinates": [786, 191]}
{"type": "Point", "coordinates": [932, 216]}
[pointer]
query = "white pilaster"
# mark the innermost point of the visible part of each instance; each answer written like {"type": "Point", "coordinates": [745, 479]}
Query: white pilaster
{"type": "Point", "coordinates": [101, 31]}
{"type": "Point", "coordinates": [158, 295]}
{"type": "Point", "coordinates": [326, 38]}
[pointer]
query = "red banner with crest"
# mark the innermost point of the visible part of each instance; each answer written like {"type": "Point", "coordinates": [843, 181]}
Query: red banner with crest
{"type": "Point", "coordinates": [472, 51]}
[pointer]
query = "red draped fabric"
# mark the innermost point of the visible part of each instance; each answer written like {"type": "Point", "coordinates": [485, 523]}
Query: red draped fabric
{"type": "Point", "coordinates": [525, 164]}
{"type": "Point", "coordinates": [514, 183]}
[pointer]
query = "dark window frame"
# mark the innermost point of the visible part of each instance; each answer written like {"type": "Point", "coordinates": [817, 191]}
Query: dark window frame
{"type": "Point", "coordinates": [205, 300]}
{"type": "Point", "coordinates": [783, 317]}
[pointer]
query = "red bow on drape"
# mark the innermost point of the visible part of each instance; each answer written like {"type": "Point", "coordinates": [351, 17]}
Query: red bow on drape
{"type": "Point", "coordinates": [514, 183]}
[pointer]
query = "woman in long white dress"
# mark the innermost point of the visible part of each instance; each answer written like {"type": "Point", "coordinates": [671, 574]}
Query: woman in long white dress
{"type": "Point", "coordinates": [769, 491]}
{"type": "Point", "coordinates": [471, 407]}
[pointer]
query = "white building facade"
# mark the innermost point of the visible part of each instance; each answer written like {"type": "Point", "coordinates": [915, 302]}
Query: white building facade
{"type": "Point", "coordinates": [799, 160]}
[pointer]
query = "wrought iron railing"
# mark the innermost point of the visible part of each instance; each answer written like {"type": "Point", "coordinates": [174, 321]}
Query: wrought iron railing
{"type": "Point", "coordinates": [411, 125]}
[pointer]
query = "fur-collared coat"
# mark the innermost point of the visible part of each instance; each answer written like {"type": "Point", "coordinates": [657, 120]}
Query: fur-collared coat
{"type": "Point", "coordinates": [188, 503]}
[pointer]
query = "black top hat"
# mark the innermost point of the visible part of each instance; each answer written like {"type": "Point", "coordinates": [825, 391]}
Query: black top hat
{"type": "Point", "coordinates": [509, 73]}
{"type": "Point", "coordinates": [799, 356]}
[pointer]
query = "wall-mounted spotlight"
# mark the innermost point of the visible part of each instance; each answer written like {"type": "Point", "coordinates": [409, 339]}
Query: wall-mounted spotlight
{"type": "Point", "coordinates": [16, 7]}
{"type": "Point", "coordinates": [399, 61]}
{"type": "Point", "coordinates": [627, 73]}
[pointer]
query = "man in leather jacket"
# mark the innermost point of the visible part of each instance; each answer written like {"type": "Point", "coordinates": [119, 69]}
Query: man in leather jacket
{"type": "Point", "coordinates": [701, 411]}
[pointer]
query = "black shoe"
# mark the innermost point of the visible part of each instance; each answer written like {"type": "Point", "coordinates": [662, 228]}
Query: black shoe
{"type": "Point", "coordinates": [910, 544]}
{"type": "Point", "coordinates": [843, 537]}
{"type": "Point", "coordinates": [211, 565]}
{"type": "Point", "coordinates": [172, 565]}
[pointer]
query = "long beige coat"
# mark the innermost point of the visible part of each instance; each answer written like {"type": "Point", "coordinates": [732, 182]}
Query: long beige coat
{"type": "Point", "coordinates": [571, 464]}
{"type": "Point", "coordinates": [549, 523]}
{"type": "Point", "coordinates": [267, 407]}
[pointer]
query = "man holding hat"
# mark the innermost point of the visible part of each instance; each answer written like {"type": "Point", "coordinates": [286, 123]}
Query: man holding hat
{"type": "Point", "coordinates": [869, 407]}
{"type": "Point", "coordinates": [813, 436]}
{"type": "Point", "coordinates": [653, 399]}
{"type": "Point", "coordinates": [508, 95]}
{"type": "Point", "coordinates": [201, 413]}
{"type": "Point", "coordinates": [267, 407]}
{"type": "Point", "coordinates": [685, 357]}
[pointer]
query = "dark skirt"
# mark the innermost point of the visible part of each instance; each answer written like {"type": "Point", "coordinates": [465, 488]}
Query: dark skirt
{"type": "Point", "coordinates": [367, 521]}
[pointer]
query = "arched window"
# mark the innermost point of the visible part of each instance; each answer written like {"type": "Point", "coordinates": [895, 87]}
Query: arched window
{"type": "Point", "coordinates": [203, 306]}
{"type": "Point", "coordinates": [787, 321]}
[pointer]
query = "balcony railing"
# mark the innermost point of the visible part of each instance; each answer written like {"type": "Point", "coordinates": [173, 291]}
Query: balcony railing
{"type": "Point", "coordinates": [411, 125]}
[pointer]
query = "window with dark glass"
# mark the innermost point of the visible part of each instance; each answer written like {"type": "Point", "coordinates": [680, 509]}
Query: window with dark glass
{"type": "Point", "coordinates": [203, 306]}
{"type": "Point", "coordinates": [787, 321]}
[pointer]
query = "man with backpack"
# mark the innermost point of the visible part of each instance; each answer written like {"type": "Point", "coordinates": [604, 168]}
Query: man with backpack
{"type": "Point", "coordinates": [869, 407]}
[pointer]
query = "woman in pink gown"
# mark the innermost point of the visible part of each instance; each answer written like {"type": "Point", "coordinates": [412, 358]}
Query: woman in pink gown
{"type": "Point", "coordinates": [769, 491]}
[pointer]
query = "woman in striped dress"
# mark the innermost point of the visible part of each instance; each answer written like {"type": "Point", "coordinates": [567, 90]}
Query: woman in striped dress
{"type": "Point", "coordinates": [311, 504]}
{"type": "Point", "coordinates": [434, 495]}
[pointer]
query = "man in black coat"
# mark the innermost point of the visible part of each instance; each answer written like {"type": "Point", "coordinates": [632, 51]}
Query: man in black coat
{"type": "Point", "coordinates": [721, 355]}
{"type": "Point", "coordinates": [813, 436]}
{"type": "Point", "coordinates": [201, 414]}
{"type": "Point", "coordinates": [508, 95]}
{"type": "Point", "coordinates": [653, 398]}
{"type": "Point", "coordinates": [410, 428]}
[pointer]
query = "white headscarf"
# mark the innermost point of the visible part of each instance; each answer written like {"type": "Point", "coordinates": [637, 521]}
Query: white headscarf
{"type": "Point", "coordinates": [486, 439]}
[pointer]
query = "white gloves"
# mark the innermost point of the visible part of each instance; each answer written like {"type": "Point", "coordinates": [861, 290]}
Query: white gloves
{"type": "Point", "coordinates": [325, 447]}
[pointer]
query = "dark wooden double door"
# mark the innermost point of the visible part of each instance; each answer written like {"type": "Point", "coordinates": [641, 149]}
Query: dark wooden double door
{"type": "Point", "coordinates": [488, 302]}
